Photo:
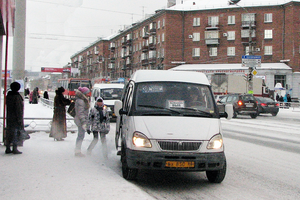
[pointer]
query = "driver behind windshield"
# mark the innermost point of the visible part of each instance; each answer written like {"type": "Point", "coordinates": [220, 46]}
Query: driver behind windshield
{"type": "Point", "coordinates": [194, 98]}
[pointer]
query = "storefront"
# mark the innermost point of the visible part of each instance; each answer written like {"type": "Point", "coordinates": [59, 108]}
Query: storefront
{"type": "Point", "coordinates": [270, 73]}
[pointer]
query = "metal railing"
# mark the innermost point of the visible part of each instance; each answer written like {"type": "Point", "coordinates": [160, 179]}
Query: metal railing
{"type": "Point", "coordinates": [294, 105]}
{"type": "Point", "coordinates": [44, 124]}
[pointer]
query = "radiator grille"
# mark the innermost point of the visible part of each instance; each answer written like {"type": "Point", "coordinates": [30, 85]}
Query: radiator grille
{"type": "Point", "coordinates": [179, 145]}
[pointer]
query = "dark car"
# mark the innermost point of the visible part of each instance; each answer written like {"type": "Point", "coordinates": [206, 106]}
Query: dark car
{"type": "Point", "coordinates": [243, 104]}
{"type": "Point", "coordinates": [267, 105]}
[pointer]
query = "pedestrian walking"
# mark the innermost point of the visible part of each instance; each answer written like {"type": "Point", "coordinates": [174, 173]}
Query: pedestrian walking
{"type": "Point", "coordinates": [58, 127]}
{"type": "Point", "coordinates": [14, 119]}
{"type": "Point", "coordinates": [81, 117]}
{"type": "Point", "coordinates": [98, 123]}
{"type": "Point", "coordinates": [35, 96]}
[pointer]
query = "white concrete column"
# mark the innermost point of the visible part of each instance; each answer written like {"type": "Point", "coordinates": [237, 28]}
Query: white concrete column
{"type": "Point", "coordinates": [19, 41]}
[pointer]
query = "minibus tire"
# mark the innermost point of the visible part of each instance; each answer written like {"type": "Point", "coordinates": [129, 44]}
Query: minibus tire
{"type": "Point", "coordinates": [128, 173]}
{"type": "Point", "coordinates": [216, 176]}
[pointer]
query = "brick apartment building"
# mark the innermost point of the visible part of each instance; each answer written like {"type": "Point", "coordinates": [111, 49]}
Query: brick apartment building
{"type": "Point", "coordinates": [175, 36]}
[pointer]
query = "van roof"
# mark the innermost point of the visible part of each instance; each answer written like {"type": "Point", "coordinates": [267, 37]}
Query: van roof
{"type": "Point", "coordinates": [170, 76]}
{"type": "Point", "coordinates": [108, 85]}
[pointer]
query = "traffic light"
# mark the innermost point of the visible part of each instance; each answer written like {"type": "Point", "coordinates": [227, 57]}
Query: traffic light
{"type": "Point", "coordinates": [250, 76]}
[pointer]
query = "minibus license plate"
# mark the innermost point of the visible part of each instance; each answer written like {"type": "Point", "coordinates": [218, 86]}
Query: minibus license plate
{"type": "Point", "coordinates": [180, 164]}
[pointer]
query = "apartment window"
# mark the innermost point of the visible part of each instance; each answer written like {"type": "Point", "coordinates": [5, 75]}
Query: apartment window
{"type": "Point", "coordinates": [213, 51]}
{"type": "Point", "coordinates": [245, 33]}
{"type": "Point", "coordinates": [158, 39]}
{"type": "Point", "coordinates": [248, 17]}
{"type": "Point", "coordinates": [196, 37]}
{"type": "Point", "coordinates": [247, 50]}
{"type": "Point", "coordinates": [162, 37]}
{"type": "Point", "coordinates": [163, 23]}
{"type": "Point", "coordinates": [196, 52]}
{"type": "Point", "coordinates": [230, 51]}
{"type": "Point", "coordinates": [268, 17]}
{"type": "Point", "coordinates": [231, 35]}
{"type": "Point", "coordinates": [280, 79]}
{"type": "Point", "coordinates": [268, 34]}
{"type": "Point", "coordinates": [196, 21]}
{"type": "Point", "coordinates": [231, 19]}
{"type": "Point", "coordinates": [158, 25]}
{"type": "Point", "coordinates": [213, 21]}
{"type": "Point", "coordinates": [268, 50]}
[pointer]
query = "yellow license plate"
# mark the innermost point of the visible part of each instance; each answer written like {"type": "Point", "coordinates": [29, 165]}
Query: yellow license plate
{"type": "Point", "coordinates": [180, 164]}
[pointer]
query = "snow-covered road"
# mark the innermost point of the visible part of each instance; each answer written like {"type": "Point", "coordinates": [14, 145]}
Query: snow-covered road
{"type": "Point", "coordinates": [48, 169]}
{"type": "Point", "coordinates": [262, 156]}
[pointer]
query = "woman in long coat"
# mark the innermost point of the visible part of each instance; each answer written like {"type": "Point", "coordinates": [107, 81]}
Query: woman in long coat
{"type": "Point", "coordinates": [35, 95]}
{"type": "Point", "coordinates": [59, 128]}
{"type": "Point", "coordinates": [15, 118]}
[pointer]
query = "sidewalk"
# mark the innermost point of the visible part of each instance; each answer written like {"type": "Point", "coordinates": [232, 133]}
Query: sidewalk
{"type": "Point", "coordinates": [48, 169]}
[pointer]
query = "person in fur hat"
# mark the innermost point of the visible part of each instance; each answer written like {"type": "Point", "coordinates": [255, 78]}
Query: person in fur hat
{"type": "Point", "coordinates": [98, 124]}
{"type": "Point", "coordinates": [58, 127]}
{"type": "Point", "coordinates": [82, 105]}
{"type": "Point", "coordinates": [15, 118]}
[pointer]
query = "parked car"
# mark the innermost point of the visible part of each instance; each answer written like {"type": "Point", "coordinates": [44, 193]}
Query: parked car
{"type": "Point", "coordinates": [243, 104]}
{"type": "Point", "coordinates": [219, 97]}
{"type": "Point", "coordinates": [267, 105]}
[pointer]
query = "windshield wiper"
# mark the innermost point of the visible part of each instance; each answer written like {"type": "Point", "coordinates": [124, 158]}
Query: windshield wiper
{"type": "Point", "coordinates": [197, 111]}
{"type": "Point", "coordinates": [158, 107]}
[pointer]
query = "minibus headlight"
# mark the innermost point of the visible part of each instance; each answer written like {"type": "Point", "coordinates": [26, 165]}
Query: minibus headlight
{"type": "Point", "coordinates": [140, 140]}
{"type": "Point", "coordinates": [216, 142]}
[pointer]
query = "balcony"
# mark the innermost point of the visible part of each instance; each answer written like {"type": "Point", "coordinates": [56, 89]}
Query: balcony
{"type": "Point", "coordinates": [245, 33]}
{"type": "Point", "coordinates": [145, 48]}
{"type": "Point", "coordinates": [152, 28]}
{"type": "Point", "coordinates": [212, 41]}
{"type": "Point", "coordinates": [145, 62]}
{"type": "Point", "coordinates": [124, 41]}
{"type": "Point", "coordinates": [129, 38]}
{"type": "Point", "coordinates": [112, 46]}
{"type": "Point", "coordinates": [152, 46]}
{"type": "Point", "coordinates": [212, 37]}
{"type": "Point", "coordinates": [246, 24]}
{"type": "Point", "coordinates": [152, 60]}
{"type": "Point", "coordinates": [145, 35]}
{"type": "Point", "coordinates": [112, 59]}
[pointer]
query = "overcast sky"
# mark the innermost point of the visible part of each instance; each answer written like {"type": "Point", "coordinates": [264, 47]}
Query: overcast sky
{"type": "Point", "coordinates": [57, 29]}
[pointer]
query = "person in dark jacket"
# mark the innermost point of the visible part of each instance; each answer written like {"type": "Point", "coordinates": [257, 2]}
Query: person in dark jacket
{"type": "Point", "coordinates": [98, 124]}
{"type": "Point", "coordinates": [15, 118]}
{"type": "Point", "coordinates": [59, 128]}
{"type": "Point", "coordinates": [35, 96]}
{"type": "Point", "coordinates": [46, 96]}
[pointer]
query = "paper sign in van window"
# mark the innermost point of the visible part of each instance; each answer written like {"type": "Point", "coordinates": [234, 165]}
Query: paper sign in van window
{"type": "Point", "coordinates": [152, 88]}
{"type": "Point", "coordinates": [176, 104]}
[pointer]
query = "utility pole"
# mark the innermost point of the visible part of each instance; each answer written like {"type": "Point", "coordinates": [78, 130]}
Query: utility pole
{"type": "Point", "coordinates": [251, 66]}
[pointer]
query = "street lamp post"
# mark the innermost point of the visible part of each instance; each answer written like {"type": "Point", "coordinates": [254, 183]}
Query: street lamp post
{"type": "Point", "coordinates": [250, 67]}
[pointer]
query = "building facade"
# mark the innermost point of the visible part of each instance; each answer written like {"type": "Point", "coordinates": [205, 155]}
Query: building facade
{"type": "Point", "coordinates": [172, 37]}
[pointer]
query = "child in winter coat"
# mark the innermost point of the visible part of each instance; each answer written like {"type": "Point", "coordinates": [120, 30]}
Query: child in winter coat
{"type": "Point", "coordinates": [98, 123]}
